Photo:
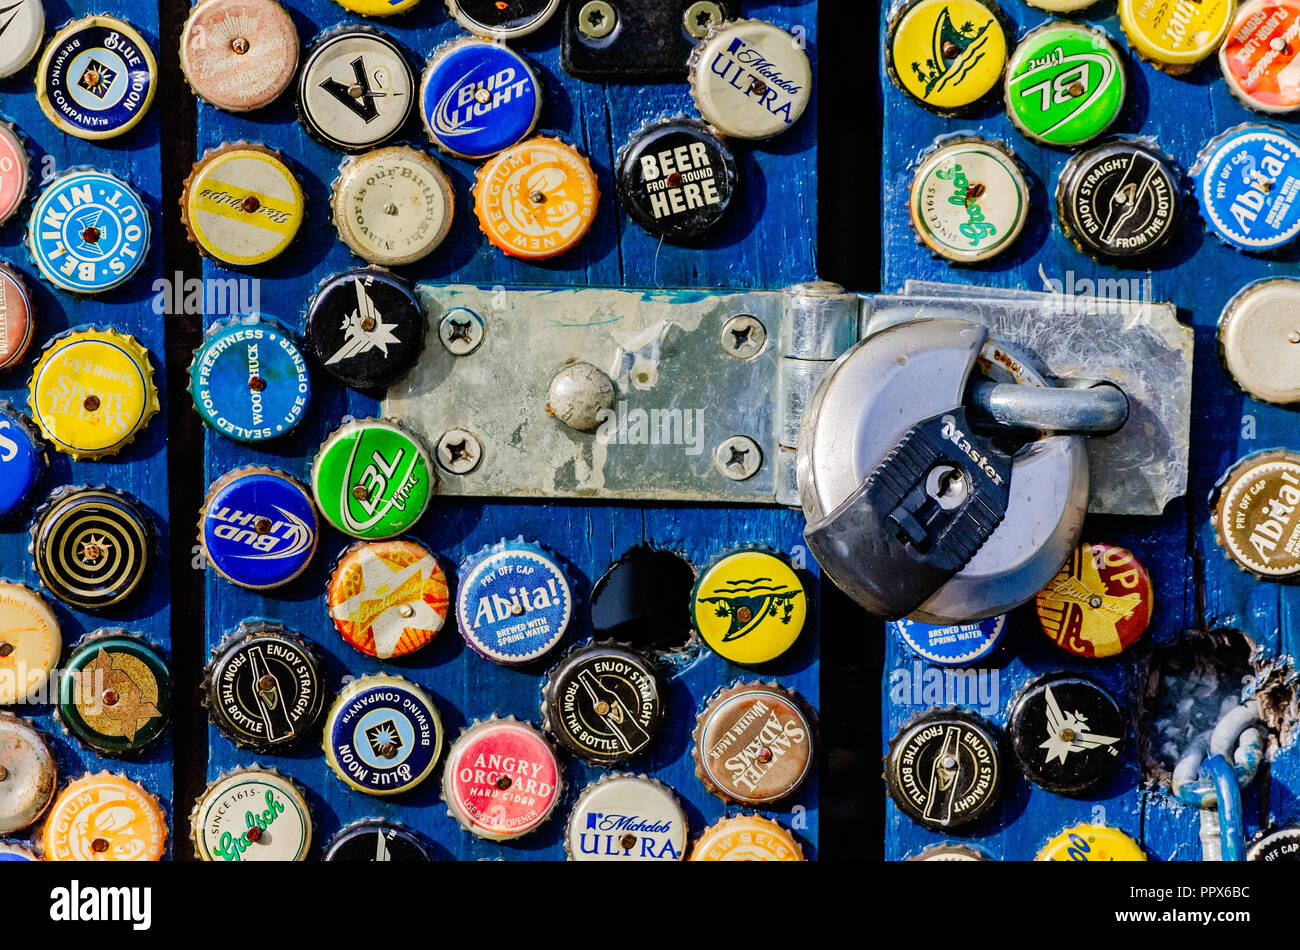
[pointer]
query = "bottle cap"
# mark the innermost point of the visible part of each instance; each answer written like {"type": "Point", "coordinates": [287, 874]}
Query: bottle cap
{"type": "Point", "coordinates": [1067, 733]}
{"type": "Point", "coordinates": [241, 204]}
{"type": "Point", "coordinates": [944, 768]}
{"type": "Point", "coordinates": [14, 851]}
{"type": "Point", "coordinates": [15, 167]}
{"type": "Point", "coordinates": [17, 314]}
{"type": "Point", "coordinates": [1065, 84]}
{"type": "Point", "coordinates": [23, 460]}
{"type": "Point", "coordinates": [536, 199]}
{"type": "Point", "coordinates": [30, 643]}
{"type": "Point", "coordinates": [375, 839]}
{"type": "Point", "coordinates": [251, 814]}
{"type": "Point", "coordinates": [1085, 842]}
{"type": "Point", "coordinates": [625, 817]}
{"type": "Point", "coordinates": [1100, 602]}
{"type": "Point", "coordinates": [1282, 844]}
{"type": "Point", "coordinates": [602, 702]}
{"type": "Point", "coordinates": [366, 327]}
{"type": "Point", "coordinates": [947, 54]}
{"type": "Point", "coordinates": [1175, 37]}
{"type": "Point", "coordinates": [23, 31]}
{"type": "Point", "coordinates": [676, 178]}
{"type": "Point", "coordinates": [754, 744]}
{"type": "Point", "coordinates": [262, 687]}
{"type": "Point", "coordinates": [1259, 340]}
{"type": "Point", "coordinates": [643, 600]}
{"type": "Point", "coordinates": [105, 817]}
{"type": "Point", "coordinates": [746, 838]}
{"type": "Point", "coordinates": [92, 392]}
{"type": "Point", "coordinates": [514, 603]}
{"type": "Point", "coordinates": [958, 644]}
{"type": "Point", "coordinates": [969, 199]}
{"type": "Point", "coordinates": [97, 78]}
{"type": "Point", "coordinates": [950, 851]}
{"type": "Point", "coordinates": [1255, 511]}
{"type": "Point", "coordinates": [749, 606]}
{"type": "Point", "coordinates": [372, 479]}
{"type": "Point", "coordinates": [258, 528]}
{"type": "Point", "coordinates": [248, 380]}
{"type": "Point", "coordinates": [1060, 6]}
{"type": "Point", "coordinates": [29, 773]}
{"type": "Point", "coordinates": [239, 55]}
{"type": "Point", "coordinates": [1258, 55]}
{"type": "Point", "coordinates": [750, 79]}
{"type": "Point", "coordinates": [115, 693]}
{"type": "Point", "coordinates": [1118, 200]}
{"type": "Point", "coordinates": [1245, 181]}
{"type": "Point", "coordinates": [88, 231]}
{"type": "Point", "coordinates": [383, 735]}
{"type": "Point", "coordinates": [92, 546]}
{"type": "Point", "coordinates": [501, 780]}
{"type": "Point", "coordinates": [377, 8]}
{"type": "Point", "coordinates": [356, 88]}
{"type": "Point", "coordinates": [387, 598]}
{"type": "Point", "coordinates": [392, 206]}
{"type": "Point", "coordinates": [478, 97]}
{"type": "Point", "coordinates": [502, 21]}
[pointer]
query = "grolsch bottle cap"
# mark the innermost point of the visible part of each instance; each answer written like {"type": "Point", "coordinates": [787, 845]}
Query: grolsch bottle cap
{"type": "Point", "coordinates": [251, 814]}
{"type": "Point", "coordinates": [969, 200]}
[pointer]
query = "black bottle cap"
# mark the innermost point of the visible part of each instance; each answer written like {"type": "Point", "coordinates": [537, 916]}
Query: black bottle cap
{"type": "Point", "coordinates": [1067, 733]}
{"type": "Point", "coordinates": [944, 768]}
{"type": "Point", "coordinates": [1280, 844]}
{"type": "Point", "coordinates": [602, 703]}
{"type": "Point", "coordinates": [644, 599]}
{"type": "Point", "coordinates": [365, 327]}
{"type": "Point", "coordinates": [676, 178]}
{"type": "Point", "coordinates": [1118, 200]}
{"type": "Point", "coordinates": [374, 839]}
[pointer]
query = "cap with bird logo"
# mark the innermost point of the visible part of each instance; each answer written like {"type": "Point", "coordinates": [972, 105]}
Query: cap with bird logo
{"type": "Point", "coordinates": [1067, 733]}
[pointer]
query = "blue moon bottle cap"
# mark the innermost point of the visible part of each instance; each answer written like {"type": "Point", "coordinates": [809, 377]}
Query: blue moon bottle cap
{"type": "Point", "coordinates": [259, 528]}
{"type": "Point", "coordinates": [249, 380]}
{"type": "Point", "coordinates": [89, 231]}
{"type": "Point", "coordinates": [1246, 181]}
{"type": "Point", "coordinates": [958, 644]}
{"type": "Point", "coordinates": [97, 78]}
{"type": "Point", "coordinates": [366, 327]}
{"type": "Point", "coordinates": [383, 735]}
{"type": "Point", "coordinates": [478, 98]}
{"type": "Point", "coordinates": [514, 604]}
{"type": "Point", "coordinates": [22, 460]}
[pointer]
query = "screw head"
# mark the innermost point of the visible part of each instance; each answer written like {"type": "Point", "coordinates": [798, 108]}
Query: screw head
{"type": "Point", "coordinates": [700, 16]}
{"type": "Point", "coordinates": [580, 395]}
{"type": "Point", "coordinates": [461, 331]}
{"type": "Point", "coordinates": [738, 458]}
{"type": "Point", "coordinates": [743, 337]}
{"type": "Point", "coordinates": [459, 452]}
{"type": "Point", "coordinates": [597, 19]}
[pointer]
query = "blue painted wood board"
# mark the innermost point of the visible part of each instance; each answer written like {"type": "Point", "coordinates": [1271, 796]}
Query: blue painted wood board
{"type": "Point", "coordinates": [1197, 587]}
{"type": "Point", "coordinates": [141, 468]}
{"type": "Point", "coordinates": [768, 241]}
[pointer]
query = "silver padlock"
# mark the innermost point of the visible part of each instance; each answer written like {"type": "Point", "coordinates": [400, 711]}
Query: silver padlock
{"type": "Point", "coordinates": [915, 508]}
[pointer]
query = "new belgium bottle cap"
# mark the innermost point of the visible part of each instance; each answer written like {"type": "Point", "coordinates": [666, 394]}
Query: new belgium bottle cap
{"type": "Point", "coordinates": [602, 702]}
{"type": "Point", "coordinates": [537, 199]}
{"type": "Point", "coordinates": [1259, 340]}
{"type": "Point", "coordinates": [105, 817]}
{"type": "Point", "coordinates": [356, 88]}
{"type": "Point", "coordinates": [746, 838]}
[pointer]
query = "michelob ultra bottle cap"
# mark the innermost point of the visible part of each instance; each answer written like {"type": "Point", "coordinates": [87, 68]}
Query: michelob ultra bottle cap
{"type": "Point", "coordinates": [754, 744]}
{"type": "Point", "coordinates": [249, 380]}
{"type": "Point", "coordinates": [1255, 510]}
{"type": "Point", "coordinates": [947, 55]}
{"type": "Point", "coordinates": [88, 231]}
{"type": "Point", "coordinates": [746, 838]}
{"type": "Point", "coordinates": [383, 735]}
{"type": "Point", "coordinates": [1119, 200]}
{"type": "Point", "coordinates": [676, 178]}
{"type": "Point", "coordinates": [501, 780]}
{"type": "Point", "coordinates": [944, 769]}
{"type": "Point", "coordinates": [23, 461]}
{"type": "Point", "coordinates": [392, 206]}
{"type": "Point", "coordinates": [28, 773]}
{"type": "Point", "coordinates": [251, 814]}
{"type": "Point", "coordinates": [30, 643]}
{"type": "Point", "coordinates": [514, 603]}
{"type": "Point", "coordinates": [1258, 58]}
{"type": "Point", "coordinates": [366, 327]}
{"type": "Point", "coordinates": [22, 34]}
{"type": "Point", "coordinates": [502, 21]}
{"type": "Point", "coordinates": [387, 598]}
{"type": "Point", "coordinates": [537, 199]}
{"type": "Point", "coordinates": [262, 687]}
{"type": "Point", "coordinates": [356, 88]}
{"type": "Point", "coordinates": [1087, 842]}
{"type": "Point", "coordinates": [602, 703]}
{"type": "Point", "coordinates": [241, 204]}
{"type": "Point", "coordinates": [1099, 604]}
{"type": "Point", "coordinates": [1259, 340]}
{"type": "Point", "coordinates": [239, 55]}
{"type": "Point", "coordinates": [376, 839]}
{"type": "Point", "coordinates": [969, 199]}
{"type": "Point", "coordinates": [96, 78]}
{"type": "Point", "coordinates": [1065, 84]}
{"type": "Point", "coordinates": [1245, 180]}
{"type": "Point", "coordinates": [258, 527]}
{"type": "Point", "coordinates": [749, 606]}
{"type": "Point", "coordinates": [105, 817]}
{"type": "Point", "coordinates": [15, 170]}
{"type": "Point", "coordinates": [115, 693]}
{"type": "Point", "coordinates": [626, 817]}
{"type": "Point", "coordinates": [750, 79]}
{"type": "Point", "coordinates": [372, 479]}
{"type": "Point", "coordinates": [1174, 37]}
{"type": "Point", "coordinates": [92, 392]}
{"type": "Point", "coordinates": [478, 98]}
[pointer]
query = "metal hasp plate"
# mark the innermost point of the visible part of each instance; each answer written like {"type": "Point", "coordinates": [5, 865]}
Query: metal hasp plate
{"type": "Point", "coordinates": [636, 40]}
{"type": "Point", "coordinates": [1137, 345]}
{"type": "Point", "coordinates": [708, 389]}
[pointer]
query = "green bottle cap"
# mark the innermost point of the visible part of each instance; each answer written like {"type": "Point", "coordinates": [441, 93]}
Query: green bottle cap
{"type": "Point", "coordinates": [115, 693]}
{"type": "Point", "coordinates": [372, 479]}
{"type": "Point", "coordinates": [1065, 84]}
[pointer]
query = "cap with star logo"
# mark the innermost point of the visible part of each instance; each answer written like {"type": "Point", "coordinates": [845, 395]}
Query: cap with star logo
{"type": "Point", "coordinates": [376, 839]}
{"type": "Point", "coordinates": [366, 327]}
{"type": "Point", "coordinates": [944, 769]}
{"type": "Point", "coordinates": [1067, 733]}
{"type": "Point", "coordinates": [392, 205]}
{"type": "Point", "coordinates": [262, 687]}
{"type": "Point", "coordinates": [88, 231]}
{"type": "Point", "coordinates": [105, 817]}
{"type": "Point", "coordinates": [754, 744]}
{"type": "Point", "coordinates": [241, 204]}
{"type": "Point", "coordinates": [356, 88]}
{"type": "Point", "coordinates": [28, 773]}
{"type": "Point", "coordinates": [603, 703]}
{"type": "Point", "coordinates": [1099, 604]}
{"type": "Point", "coordinates": [115, 693]}
{"type": "Point", "coordinates": [514, 604]}
{"type": "Point", "coordinates": [372, 479]}
{"type": "Point", "coordinates": [21, 35]}
{"type": "Point", "coordinates": [383, 735]}
{"type": "Point", "coordinates": [749, 606]}
{"type": "Point", "coordinates": [1088, 842]}
{"type": "Point", "coordinates": [258, 528]}
{"type": "Point", "coordinates": [96, 78]}
{"type": "Point", "coordinates": [30, 643]}
{"type": "Point", "coordinates": [387, 598]}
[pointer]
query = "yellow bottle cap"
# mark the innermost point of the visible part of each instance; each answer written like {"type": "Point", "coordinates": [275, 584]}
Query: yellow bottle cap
{"type": "Point", "coordinates": [1086, 842]}
{"type": "Point", "coordinates": [1176, 36]}
{"type": "Point", "coordinates": [242, 204]}
{"type": "Point", "coordinates": [537, 199]}
{"type": "Point", "coordinates": [749, 607]}
{"type": "Point", "coordinates": [947, 54]}
{"type": "Point", "coordinates": [378, 7]}
{"type": "Point", "coordinates": [92, 392]}
{"type": "Point", "coordinates": [104, 817]}
{"type": "Point", "coordinates": [30, 642]}
{"type": "Point", "coordinates": [746, 838]}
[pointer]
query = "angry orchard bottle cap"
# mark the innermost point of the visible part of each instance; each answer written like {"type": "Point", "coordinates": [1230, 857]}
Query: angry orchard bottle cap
{"type": "Point", "coordinates": [251, 814]}
{"type": "Point", "coordinates": [387, 598]}
{"type": "Point", "coordinates": [239, 55]}
{"type": "Point", "coordinates": [383, 735]}
{"type": "Point", "coordinates": [241, 204]}
{"type": "Point", "coordinates": [754, 744]}
{"type": "Point", "coordinates": [372, 479]}
{"type": "Point", "coordinates": [501, 780]}
{"type": "Point", "coordinates": [258, 527]}
{"type": "Point", "coordinates": [1255, 510]}
{"type": "Point", "coordinates": [514, 602]}
{"type": "Point", "coordinates": [478, 98]}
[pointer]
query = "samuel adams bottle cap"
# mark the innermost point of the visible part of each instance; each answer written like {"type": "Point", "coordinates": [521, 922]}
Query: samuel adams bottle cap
{"type": "Point", "coordinates": [944, 769]}
{"type": "Point", "coordinates": [478, 98]}
{"type": "Point", "coordinates": [969, 199]}
{"type": "Point", "coordinates": [356, 88]}
{"type": "Point", "coordinates": [947, 54]}
{"type": "Point", "coordinates": [115, 693]}
{"type": "Point", "coordinates": [1256, 513]}
{"type": "Point", "coordinates": [1246, 180]}
{"type": "Point", "coordinates": [676, 178]}
{"type": "Point", "coordinates": [366, 327]}
{"type": "Point", "coordinates": [754, 744]}
{"type": "Point", "coordinates": [1259, 340]}
{"type": "Point", "coordinates": [258, 528]}
{"type": "Point", "coordinates": [514, 603]}
{"type": "Point", "coordinates": [501, 780]}
{"type": "Point", "coordinates": [625, 817]}
{"type": "Point", "coordinates": [602, 703]}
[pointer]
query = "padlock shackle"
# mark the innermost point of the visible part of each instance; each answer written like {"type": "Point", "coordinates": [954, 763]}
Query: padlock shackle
{"type": "Point", "coordinates": [1074, 406]}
